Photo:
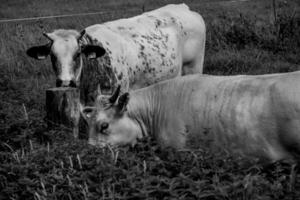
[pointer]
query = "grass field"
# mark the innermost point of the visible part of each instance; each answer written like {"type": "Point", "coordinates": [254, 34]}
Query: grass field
{"type": "Point", "coordinates": [37, 163]}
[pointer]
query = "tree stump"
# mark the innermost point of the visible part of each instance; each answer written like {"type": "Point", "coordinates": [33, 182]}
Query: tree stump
{"type": "Point", "coordinates": [63, 108]}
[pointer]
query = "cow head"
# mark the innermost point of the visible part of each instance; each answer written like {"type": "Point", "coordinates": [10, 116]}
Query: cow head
{"type": "Point", "coordinates": [111, 125]}
{"type": "Point", "coordinates": [65, 48]}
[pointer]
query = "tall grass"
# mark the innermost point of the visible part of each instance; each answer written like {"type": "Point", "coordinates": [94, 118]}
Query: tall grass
{"type": "Point", "coordinates": [70, 170]}
{"type": "Point", "coordinates": [247, 44]}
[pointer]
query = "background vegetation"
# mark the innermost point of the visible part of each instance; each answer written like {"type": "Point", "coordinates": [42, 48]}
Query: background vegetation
{"type": "Point", "coordinates": [37, 163]}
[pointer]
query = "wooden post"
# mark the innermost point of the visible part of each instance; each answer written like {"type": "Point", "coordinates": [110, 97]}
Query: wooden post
{"type": "Point", "coordinates": [63, 108]}
{"type": "Point", "coordinates": [274, 12]}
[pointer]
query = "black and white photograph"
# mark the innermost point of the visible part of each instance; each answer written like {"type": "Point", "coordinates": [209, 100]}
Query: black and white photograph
{"type": "Point", "coordinates": [149, 100]}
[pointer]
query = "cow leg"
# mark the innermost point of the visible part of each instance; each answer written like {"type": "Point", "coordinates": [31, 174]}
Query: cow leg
{"type": "Point", "coordinates": [193, 56]}
{"type": "Point", "coordinates": [172, 139]}
{"type": "Point", "coordinates": [192, 67]}
{"type": "Point", "coordinates": [174, 134]}
{"type": "Point", "coordinates": [289, 136]}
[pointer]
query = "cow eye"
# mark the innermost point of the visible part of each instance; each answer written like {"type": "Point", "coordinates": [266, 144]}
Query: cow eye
{"type": "Point", "coordinates": [104, 125]}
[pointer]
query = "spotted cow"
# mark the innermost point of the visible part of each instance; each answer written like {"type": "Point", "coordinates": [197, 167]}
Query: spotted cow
{"type": "Point", "coordinates": [250, 115]}
{"type": "Point", "coordinates": [133, 52]}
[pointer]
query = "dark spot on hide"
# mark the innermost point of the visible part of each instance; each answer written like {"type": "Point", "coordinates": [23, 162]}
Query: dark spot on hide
{"type": "Point", "coordinates": [115, 70]}
{"type": "Point", "coordinates": [206, 131]}
{"type": "Point", "coordinates": [173, 20]}
{"type": "Point", "coordinates": [94, 41]}
{"type": "Point", "coordinates": [108, 51]}
{"type": "Point", "coordinates": [142, 47]}
{"type": "Point", "coordinates": [181, 26]}
{"type": "Point", "coordinates": [120, 76]}
{"type": "Point", "coordinates": [167, 38]}
{"type": "Point", "coordinates": [157, 23]}
{"type": "Point", "coordinates": [151, 70]}
{"type": "Point", "coordinates": [173, 56]}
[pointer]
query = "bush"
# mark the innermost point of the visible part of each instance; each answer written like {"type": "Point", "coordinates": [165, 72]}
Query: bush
{"type": "Point", "coordinates": [244, 31]}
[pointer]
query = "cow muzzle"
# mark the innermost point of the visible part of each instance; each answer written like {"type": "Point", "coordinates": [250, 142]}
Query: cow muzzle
{"type": "Point", "coordinates": [99, 144]}
{"type": "Point", "coordinates": [61, 83]}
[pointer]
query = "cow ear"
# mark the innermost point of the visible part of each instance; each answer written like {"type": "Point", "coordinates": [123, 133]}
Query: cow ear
{"type": "Point", "coordinates": [99, 93]}
{"type": "Point", "coordinates": [113, 98]}
{"type": "Point", "coordinates": [39, 52]}
{"type": "Point", "coordinates": [82, 33]}
{"type": "Point", "coordinates": [93, 51]}
{"type": "Point", "coordinates": [123, 101]}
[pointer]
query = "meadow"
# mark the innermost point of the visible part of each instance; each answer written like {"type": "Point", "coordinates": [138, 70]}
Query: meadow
{"type": "Point", "coordinates": [41, 163]}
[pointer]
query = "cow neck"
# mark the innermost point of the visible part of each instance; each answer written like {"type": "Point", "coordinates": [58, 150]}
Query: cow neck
{"type": "Point", "coordinates": [145, 109]}
{"type": "Point", "coordinates": [138, 111]}
{"type": "Point", "coordinates": [83, 61]}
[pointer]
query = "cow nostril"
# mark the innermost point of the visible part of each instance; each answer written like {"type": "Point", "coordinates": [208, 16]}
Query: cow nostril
{"type": "Point", "coordinates": [58, 83]}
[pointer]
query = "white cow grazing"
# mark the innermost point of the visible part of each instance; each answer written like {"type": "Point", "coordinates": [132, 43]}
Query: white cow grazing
{"type": "Point", "coordinates": [134, 52]}
{"type": "Point", "coordinates": [252, 115]}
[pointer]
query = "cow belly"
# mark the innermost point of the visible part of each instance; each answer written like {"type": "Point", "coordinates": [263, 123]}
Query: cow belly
{"type": "Point", "coordinates": [241, 123]}
{"type": "Point", "coordinates": [251, 128]}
